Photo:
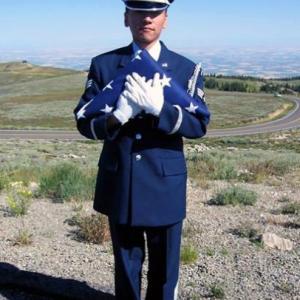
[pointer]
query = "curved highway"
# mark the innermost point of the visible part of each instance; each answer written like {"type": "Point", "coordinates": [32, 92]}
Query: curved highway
{"type": "Point", "coordinates": [290, 121]}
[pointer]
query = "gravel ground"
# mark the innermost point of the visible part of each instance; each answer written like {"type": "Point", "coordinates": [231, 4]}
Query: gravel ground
{"type": "Point", "coordinates": [240, 268]}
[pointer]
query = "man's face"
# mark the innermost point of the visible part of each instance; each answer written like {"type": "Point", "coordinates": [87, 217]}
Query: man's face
{"type": "Point", "coordinates": [145, 26]}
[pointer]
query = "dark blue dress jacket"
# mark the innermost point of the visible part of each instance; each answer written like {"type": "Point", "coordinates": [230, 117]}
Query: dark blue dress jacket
{"type": "Point", "coordinates": [142, 170]}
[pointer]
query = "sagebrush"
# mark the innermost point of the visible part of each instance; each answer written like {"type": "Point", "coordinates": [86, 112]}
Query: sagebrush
{"type": "Point", "coordinates": [67, 182]}
{"type": "Point", "coordinates": [234, 195]}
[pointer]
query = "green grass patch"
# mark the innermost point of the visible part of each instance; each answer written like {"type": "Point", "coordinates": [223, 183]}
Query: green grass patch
{"type": "Point", "coordinates": [215, 165]}
{"type": "Point", "coordinates": [234, 196]}
{"type": "Point", "coordinates": [54, 110]}
{"type": "Point", "coordinates": [249, 165]}
{"type": "Point", "coordinates": [217, 291]}
{"type": "Point", "coordinates": [232, 109]}
{"type": "Point", "coordinates": [276, 141]}
{"type": "Point", "coordinates": [67, 182]}
{"type": "Point", "coordinates": [3, 181]}
{"type": "Point", "coordinates": [28, 160]}
{"type": "Point", "coordinates": [188, 254]}
{"type": "Point", "coordinates": [210, 252]}
{"type": "Point", "coordinates": [66, 122]}
{"type": "Point", "coordinates": [224, 251]}
{"type": "Point", "coordinates": [291, 209]}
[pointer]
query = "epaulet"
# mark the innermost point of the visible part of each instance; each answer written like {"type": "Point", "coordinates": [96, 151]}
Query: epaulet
{"type": "Point", "coordinates": [193, 80]}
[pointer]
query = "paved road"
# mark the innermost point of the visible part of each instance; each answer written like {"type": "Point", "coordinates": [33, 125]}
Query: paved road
{"type": "Point", "coordinates": [290, 121]}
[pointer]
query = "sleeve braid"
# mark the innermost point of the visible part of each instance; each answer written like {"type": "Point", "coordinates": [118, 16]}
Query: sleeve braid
{"type": "Point", "coordinates": [193, 80]}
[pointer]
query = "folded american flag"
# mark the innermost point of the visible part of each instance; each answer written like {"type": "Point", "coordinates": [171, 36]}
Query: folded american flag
{"type": "Point", "coordinates": [144, 65]}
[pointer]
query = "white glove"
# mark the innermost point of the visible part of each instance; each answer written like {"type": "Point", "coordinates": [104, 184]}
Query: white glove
{"type": "Point", "coordinates": [125, 109]}
{"type": "Point", "coordinates": [149, 95]}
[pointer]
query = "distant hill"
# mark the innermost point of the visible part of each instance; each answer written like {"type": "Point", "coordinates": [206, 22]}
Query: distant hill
{"type": "Point", "coordinates": [33, 96]}
{"type": "Point", "coordinates": [16, 72]}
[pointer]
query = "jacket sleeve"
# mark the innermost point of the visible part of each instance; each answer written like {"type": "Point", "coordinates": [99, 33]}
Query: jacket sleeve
{"type": "Point", "coordinates": [181, 121]}
{"type": "Point", "coordinates": [95, 128]}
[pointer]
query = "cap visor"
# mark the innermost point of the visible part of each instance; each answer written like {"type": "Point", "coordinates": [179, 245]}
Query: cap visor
{"type": "Point", "coordinates": [145, 6]}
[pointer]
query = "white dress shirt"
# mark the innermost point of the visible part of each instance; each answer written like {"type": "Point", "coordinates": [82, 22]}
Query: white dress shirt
{"type": "Point", "coordinates": [154, 51]}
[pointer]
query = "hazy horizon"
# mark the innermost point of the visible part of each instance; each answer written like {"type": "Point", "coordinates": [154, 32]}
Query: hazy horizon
{"type": "Point", "coordinates": [265, 63]}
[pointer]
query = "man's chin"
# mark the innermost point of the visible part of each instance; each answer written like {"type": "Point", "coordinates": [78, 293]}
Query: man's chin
{"type": "Point", "coordinates": [146, 40]}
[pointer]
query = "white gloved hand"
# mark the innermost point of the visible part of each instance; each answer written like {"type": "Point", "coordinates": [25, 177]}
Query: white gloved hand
{"type": "Point", "coordinates": [125, 109]}
{"type": "Point", "coordinates": [149, 95]}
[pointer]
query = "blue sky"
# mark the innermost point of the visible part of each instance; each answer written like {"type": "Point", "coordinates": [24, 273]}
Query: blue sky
{"type": "Point", "coordinates": [81, 24]}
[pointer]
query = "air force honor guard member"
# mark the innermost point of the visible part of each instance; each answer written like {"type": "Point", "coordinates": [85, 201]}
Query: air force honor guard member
{"type": "Point", "coordinates": [141, 184]}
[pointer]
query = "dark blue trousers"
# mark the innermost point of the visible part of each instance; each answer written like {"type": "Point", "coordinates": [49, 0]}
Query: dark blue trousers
{"type": "Point", "coordinates": [163, 245]}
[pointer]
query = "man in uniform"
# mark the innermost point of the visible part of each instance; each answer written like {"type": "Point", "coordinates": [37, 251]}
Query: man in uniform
{"type": "Point", "coordinates": [141, 184]}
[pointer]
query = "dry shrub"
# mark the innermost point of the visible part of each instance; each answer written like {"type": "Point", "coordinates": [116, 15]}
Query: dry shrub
{"type": "Point", "coordinates": [23, 238]}
{"type": "Point", "coordinates": [93, 228]}
{"type": "Point", "coordinates": [250, 231]}
{"type": "Point", "coordinates": [276, 166]}
{"type": "Point", "coordinates": [18, 198]}
{"type": "Point", "coordinates": [275, 220]}
{"type": "Point", "coordinates": [281, 221]}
